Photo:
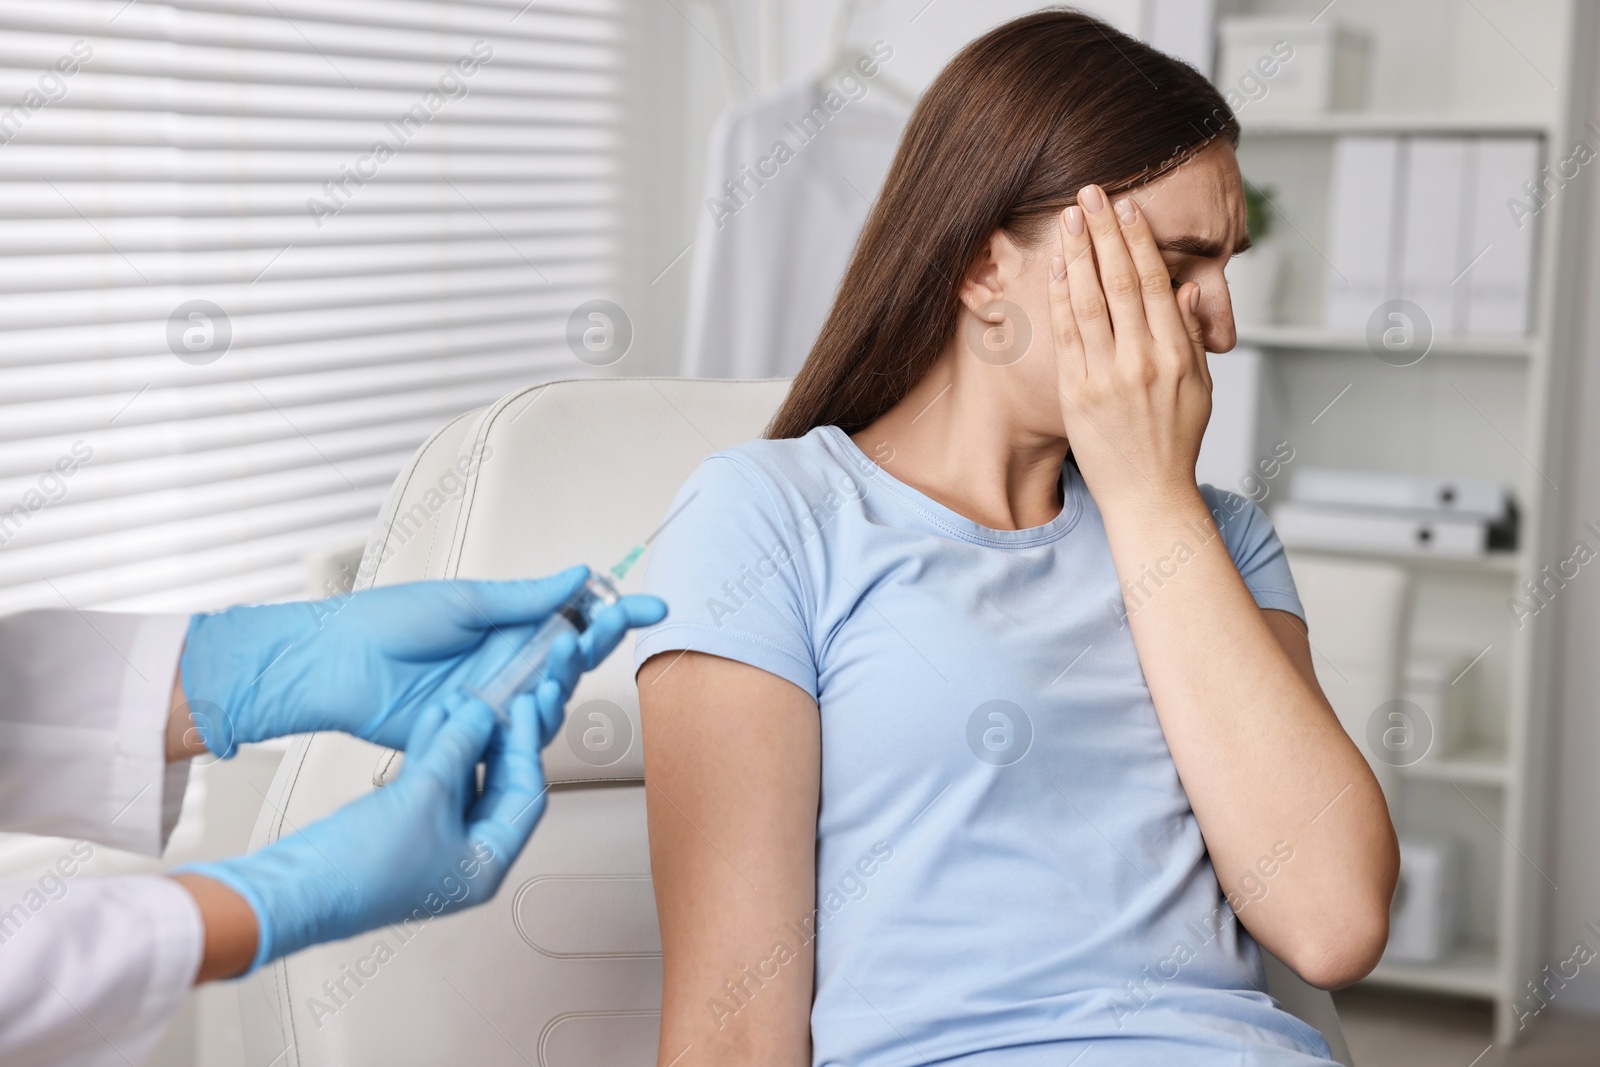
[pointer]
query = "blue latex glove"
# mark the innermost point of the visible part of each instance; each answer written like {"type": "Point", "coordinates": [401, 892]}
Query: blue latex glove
{"type": "Point", "coordinates": [425, 845]}
{"type": "Point", "coordinates": [368, 662]}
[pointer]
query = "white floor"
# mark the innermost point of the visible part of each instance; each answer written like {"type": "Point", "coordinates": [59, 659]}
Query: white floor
{"type": "Point", "coordinates": [1388, 1029]}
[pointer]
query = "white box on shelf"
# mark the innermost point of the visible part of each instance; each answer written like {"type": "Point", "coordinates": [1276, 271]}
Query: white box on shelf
{"type": "Point", "coordinates": [1443, 688]}
{"type": "Point", "coordinates": [1502, 221]}
{"type": "Point", "coordinates": [1356, 530]}
{"type": "Point", "coordinates": [1476, 498]}
{"type": "Point", "coordinates": [1433, 251]}
{"type": "Point", "coordinates": [1363, 229]}
{"type": "Point", "coordinates": [1185, 29]}
{"type": "Point", "coordinates": [1425, 916]}
{"type": "Point", "coordinates": [1325, 68]}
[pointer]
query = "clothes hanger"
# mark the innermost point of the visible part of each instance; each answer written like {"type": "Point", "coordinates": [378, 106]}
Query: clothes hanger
{"type": "Point", "coordinates": [727, 43]}
{"type": "Point", "coordinates": [771, 46]}
{"type": "Point", "coordinates": [842, 57]}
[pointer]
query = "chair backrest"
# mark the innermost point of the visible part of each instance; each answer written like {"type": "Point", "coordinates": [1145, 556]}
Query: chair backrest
{"type": "Point", "coordinates": [563, 967]}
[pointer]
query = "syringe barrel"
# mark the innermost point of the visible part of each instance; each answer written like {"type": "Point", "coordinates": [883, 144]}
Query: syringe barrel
{"type": "Point", "coordinates": [582, 607]}
{"type": "Point", "coordinates": [525, 669]}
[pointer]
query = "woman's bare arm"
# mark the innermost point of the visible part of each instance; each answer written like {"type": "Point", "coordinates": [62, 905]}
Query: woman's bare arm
{"type": "Point", "coordinates": [1268, 769]}
{"type": "Point", "coordinates": [1264, 761]}
{"type": "Point", "coordinates": [732, 768]}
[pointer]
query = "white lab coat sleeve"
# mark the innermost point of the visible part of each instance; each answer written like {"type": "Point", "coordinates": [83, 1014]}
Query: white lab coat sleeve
{"type": "Point", "coordinates": [92, 971]}
{"type": "Point", "coordinates": [84, 699]}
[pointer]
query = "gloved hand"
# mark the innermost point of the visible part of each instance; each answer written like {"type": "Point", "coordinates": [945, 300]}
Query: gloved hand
{"type": "Point", "coordinates": [367, 663]}
{"type": "Point", "coordinates": [425, 845]}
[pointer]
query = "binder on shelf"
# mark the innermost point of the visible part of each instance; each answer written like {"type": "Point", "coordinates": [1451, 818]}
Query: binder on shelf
{"type": "Point", "coordinates": [1412, 497]}
{"type": "Point", "coordinates": [1349, 529]}
{"type": "Point", "coordinates": [1363, 222]}
{"type": "Point", "coordinates": [1433, 217]}
{"type": "Point", "coordinates": [1503, 219]}
{"type": "Point", "coordinates": [1472, 497]}
{"type": "Point", "coordinates": [1447, 223]}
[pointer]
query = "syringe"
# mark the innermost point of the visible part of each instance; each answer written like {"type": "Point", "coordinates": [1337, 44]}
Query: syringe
{"type": "Point", "coordinates": [526, 668]}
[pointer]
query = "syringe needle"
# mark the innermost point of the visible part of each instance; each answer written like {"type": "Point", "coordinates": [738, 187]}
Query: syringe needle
{"type": "Point", "coordinates": [527, 664]}
{"type": "Point", "coordinates": [625, 564]}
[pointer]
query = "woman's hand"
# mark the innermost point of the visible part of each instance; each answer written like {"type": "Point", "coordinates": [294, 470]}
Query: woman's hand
{"type": "Point", "coordinates": [1131, 368]}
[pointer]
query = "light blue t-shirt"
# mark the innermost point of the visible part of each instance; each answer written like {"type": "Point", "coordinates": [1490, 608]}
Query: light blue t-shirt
{"type": "Point", "coordinates": [1008, 869]}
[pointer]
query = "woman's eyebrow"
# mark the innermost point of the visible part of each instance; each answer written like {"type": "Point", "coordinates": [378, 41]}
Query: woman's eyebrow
{"type": "Point", "coordinates": [1203, 247]}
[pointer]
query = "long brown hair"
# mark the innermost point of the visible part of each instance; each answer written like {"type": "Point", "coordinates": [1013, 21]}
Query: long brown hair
{"type": "Point", "coordinates": [1006, 135]}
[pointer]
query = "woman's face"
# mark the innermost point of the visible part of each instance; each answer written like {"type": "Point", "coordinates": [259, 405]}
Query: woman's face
{"type": "Point", "coordinates": [1197, 215]}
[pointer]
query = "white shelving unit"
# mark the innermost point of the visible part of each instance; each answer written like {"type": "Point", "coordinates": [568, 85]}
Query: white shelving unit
{"type": "Point", "coordinates": [1319, 339]}
{"type": "Point", "coordinates": [1335, 123]}
{"type": "Point", "coordinates": [1473, 407]}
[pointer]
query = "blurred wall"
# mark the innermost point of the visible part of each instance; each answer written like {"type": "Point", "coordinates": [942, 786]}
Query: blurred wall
{"type": "Point", "coordinates": [1573, 852]}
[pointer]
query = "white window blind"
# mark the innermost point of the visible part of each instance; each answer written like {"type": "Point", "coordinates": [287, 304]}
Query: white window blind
{"type": "Point", "coordinates": [197, 155]}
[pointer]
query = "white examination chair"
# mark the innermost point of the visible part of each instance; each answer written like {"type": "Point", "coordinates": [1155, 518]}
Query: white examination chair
{"type": "Point", "coordinates": [562, 968]}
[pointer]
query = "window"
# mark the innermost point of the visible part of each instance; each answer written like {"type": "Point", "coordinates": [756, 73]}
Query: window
{"type": "Point", "coordinates": [253, 251]}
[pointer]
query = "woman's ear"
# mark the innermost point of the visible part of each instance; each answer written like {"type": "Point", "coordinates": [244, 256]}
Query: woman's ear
{"type": "Point", "coordinates": [985, 280]}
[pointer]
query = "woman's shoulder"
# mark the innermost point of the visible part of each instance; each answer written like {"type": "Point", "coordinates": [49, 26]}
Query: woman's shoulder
{"type": "Point", "coordinates": [747, 519]}
{"type": "Point", "coordinates": [784, 473]}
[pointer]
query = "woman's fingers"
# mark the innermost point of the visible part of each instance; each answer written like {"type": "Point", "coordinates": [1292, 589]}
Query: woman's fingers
{"type": "Point", "coordinates": [1070, 358]}
{"type": "Point", "coordinates": [1085, 299]}
{"type": "Point", "coordinates": [1118, 276]}
{"type": "Point", "coordinates": [1188, 304]}
{"type": "Point", "coordinates": [1155, 283]}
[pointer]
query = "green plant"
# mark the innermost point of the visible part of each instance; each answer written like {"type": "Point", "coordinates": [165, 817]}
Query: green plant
{"type": "Point", "coordinates": [1258, 211]}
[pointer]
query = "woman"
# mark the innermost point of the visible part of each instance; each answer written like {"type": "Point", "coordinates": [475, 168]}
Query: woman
{"type": "Point", "coordinates": [979, 733]}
